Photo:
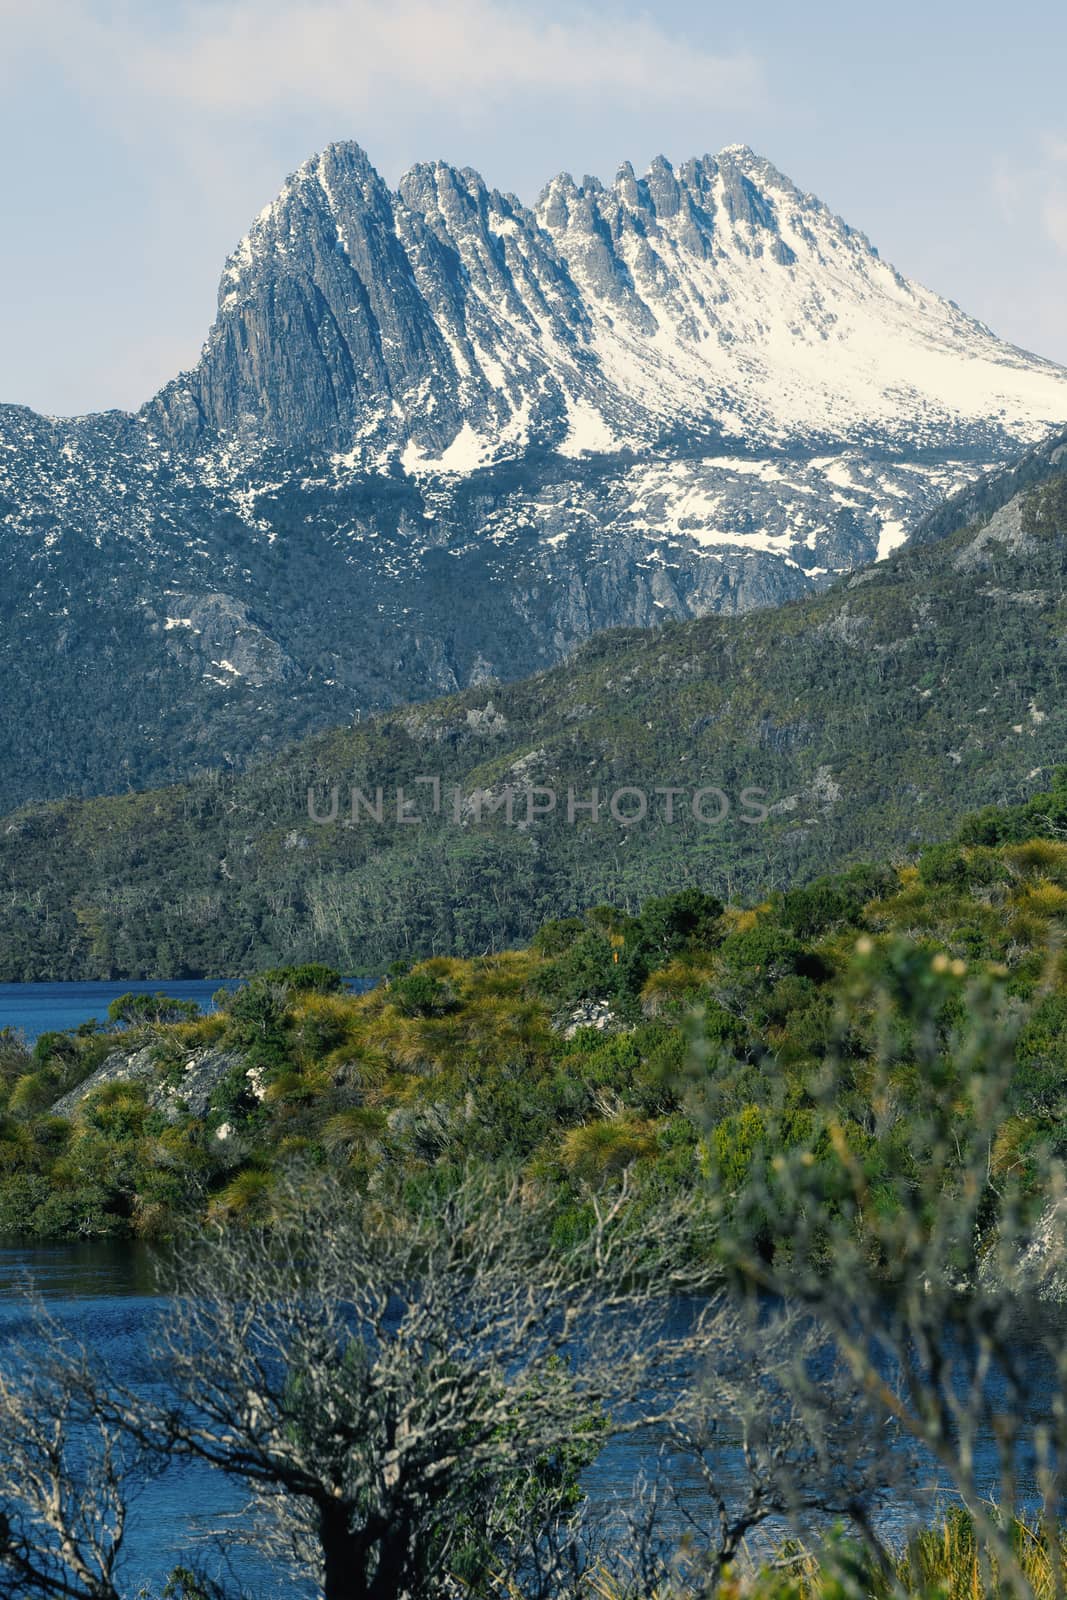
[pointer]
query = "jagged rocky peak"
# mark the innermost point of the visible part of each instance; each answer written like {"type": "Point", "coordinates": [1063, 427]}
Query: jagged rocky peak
{"type": "Point", "coordinates": [320, 199]}
{"type": "Point", "coordinates": [447, 326]}
{"type": "Point", "coordinates": [321, 325]}
{"type": "Point", "coordinates": [464, 215]}
{"type": "Point", "coordinates": [456, 195]}
{"type": "Point", "coordinates": [735, 182]}
{"type": "Point", "coordinates": [663, 188]}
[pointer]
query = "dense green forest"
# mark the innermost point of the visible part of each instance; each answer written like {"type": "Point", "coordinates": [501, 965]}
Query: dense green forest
{"type": "Point", "coordinates": [668, 1044]}
{"type": "Point", "coordinates": [870, 717]}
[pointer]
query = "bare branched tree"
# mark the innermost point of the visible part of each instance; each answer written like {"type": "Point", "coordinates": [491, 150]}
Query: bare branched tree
{"type": "Point", "coordinates": [410, 1400]}
{"type": "Point", "coordinates": [68, 1473]}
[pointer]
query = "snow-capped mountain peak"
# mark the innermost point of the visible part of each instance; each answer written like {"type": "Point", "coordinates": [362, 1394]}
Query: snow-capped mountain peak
{"type": "Point", "coordinates": [436, 434]}
{"type": "Point", "coordinates": [448, 326]}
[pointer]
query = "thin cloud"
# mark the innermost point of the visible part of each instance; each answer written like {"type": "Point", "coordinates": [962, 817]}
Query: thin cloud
{"type": "Point", "coordinates": [1035, 193]}
{"type": "Point", "coordinates": [1054, 202]}
{"type": "Point", "coordinates": [232, 57]}
{"type": "Point", "coordinates": [1054, 218]}
{"type": "Point", "coordinates": [1055, 148]}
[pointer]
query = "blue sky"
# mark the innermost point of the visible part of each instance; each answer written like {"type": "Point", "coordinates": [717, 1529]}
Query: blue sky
{"type": "Point", "coordinates": [141, 138]}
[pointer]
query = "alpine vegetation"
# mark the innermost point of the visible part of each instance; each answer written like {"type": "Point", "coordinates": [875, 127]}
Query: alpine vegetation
{"type": "Point", "coordinates": [821, 1314]}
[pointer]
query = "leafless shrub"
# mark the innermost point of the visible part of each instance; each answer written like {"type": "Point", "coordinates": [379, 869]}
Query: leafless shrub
{"type": "Point", "coordinates": [67, 1472]}
{"type": "Point", "coordinates": [410, 1402]}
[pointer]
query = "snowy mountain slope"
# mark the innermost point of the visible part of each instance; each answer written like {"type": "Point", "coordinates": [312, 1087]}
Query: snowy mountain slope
{"type": "Point", "coordinates": [448, 327]}
{"type": "Point", "coordinates": [436, 436]}
{"type": "Point", "coordinates": [760, 294]}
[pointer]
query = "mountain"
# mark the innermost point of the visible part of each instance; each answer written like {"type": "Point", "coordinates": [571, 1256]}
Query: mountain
{"type": "Point", "coordinates": [437, 438]}
{"type": "Point", "coordinates": [448, 327]}
{"type": "Point", "coordinates": [871, 716]}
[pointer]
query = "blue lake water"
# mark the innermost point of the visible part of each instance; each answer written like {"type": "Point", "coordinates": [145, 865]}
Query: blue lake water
{"type": "Point", "coordinates": [102, 1293]}
{"type": "Point", "coordinates": [35, 1008]}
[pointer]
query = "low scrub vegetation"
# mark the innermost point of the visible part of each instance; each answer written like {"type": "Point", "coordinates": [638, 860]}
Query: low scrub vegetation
{"type": "Point", "coordinates": [690, 1038]}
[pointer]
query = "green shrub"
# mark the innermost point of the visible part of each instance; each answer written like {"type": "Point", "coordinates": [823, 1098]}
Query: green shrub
{"type": "Point", "coordinates": [313, 977]}
{"type": "Point", "coordinates": [133, 1010]}
{"type": "Point", "coordinates": [421, 994]}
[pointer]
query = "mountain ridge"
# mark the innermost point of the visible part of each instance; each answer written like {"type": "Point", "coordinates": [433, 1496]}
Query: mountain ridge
{"type": "Point", "coordinates": [322, 557]}
{"type": "Point", "coordinates": [581, 256]}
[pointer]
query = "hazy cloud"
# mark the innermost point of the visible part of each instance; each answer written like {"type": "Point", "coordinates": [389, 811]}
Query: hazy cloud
{"type": "Point", "coordinates": [1036, 191]}
{"type": "Point", "coordinates": [232, 57]}
{"type": "Point", "coordinates": [1054, 200]}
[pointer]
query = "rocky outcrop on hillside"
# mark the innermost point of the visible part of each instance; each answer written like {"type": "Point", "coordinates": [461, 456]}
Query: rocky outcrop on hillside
{"type": "Point", "coordinates": [177, 1092]}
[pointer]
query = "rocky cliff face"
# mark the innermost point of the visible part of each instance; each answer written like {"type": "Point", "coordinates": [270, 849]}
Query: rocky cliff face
{"type": "Point", "coordinates": [436, 436]}
{"type": "Point", "coordinates": [447, 326]}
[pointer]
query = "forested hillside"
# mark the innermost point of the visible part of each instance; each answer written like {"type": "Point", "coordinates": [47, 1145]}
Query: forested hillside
{"type": "Point", "coordinates": [871, 717]}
